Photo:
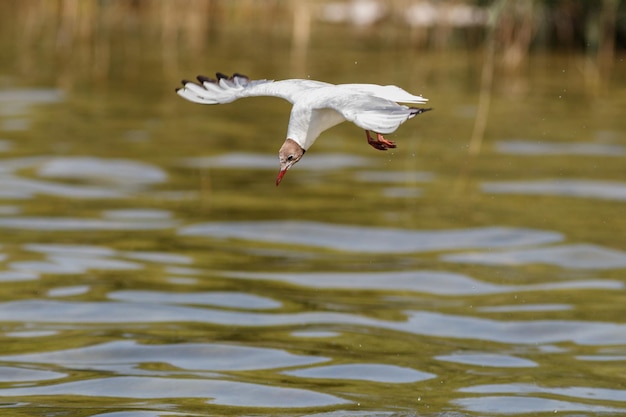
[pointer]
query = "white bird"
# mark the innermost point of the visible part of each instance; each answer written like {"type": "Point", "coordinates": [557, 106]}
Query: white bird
{"type": "Point", "coordinates": [317, 106]}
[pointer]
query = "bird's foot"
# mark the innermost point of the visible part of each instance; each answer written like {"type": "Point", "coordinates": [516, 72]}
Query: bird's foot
{"type": "Point", "coordinates": [388, 143]}
{"type": "Point", "coordinates": [380, 142]}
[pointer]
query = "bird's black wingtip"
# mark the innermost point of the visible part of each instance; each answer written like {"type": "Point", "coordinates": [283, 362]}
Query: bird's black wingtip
{"type": "Point", "coordinates": [204, 79]}
{"type": "Point", "coordinates": [219, 76]}
{"type": "Point", "coordinates": [420, 110]}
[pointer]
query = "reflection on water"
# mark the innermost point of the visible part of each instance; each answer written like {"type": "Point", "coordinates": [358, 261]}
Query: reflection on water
{"type": "Point", "coordinates": [529, 405]}
{"type": "Point", "coordinates": [123, 173]}
{"type": "Point", "coordinates": [121, 177]}
{"type": "Point", "coordinates": [394, 176]}
{"type": "Point", "coordinates": [73, 224]}
{"type": "Point", "coordinates": [10, 374]}
{"type": "Point", "coordinates": [576, 392]}
{"type": "Point", "coordinates": [372, 240]}
{"type": "Point", "coordinates": [537, 405]}
{"type": "Point", "coordinates": [433, 282]}
{"type": "Point", "coordinates": [368, 372]}
{"type": "Point", "coordinates": [5, 145]}
{"type": "Point", "coordinates": [112, 356]}
{"type": "Point", "coordinates": [423, 323]}
{"type": "Point", "coordinates": [566, 256]}
{"type": "Point", "coordinates": [527, 147]}
{"type": "Point", "coordinates": [16, 105]}
{"type": "Point", "coordinates": [609, 190]}
{"type": "Point", "coordinates": [493, 360]}
{"type": "Point", "coordinates": [147, 269]}
{"type": "Point", "coordinates": [213, 391]}
{"type": "Point", "coordinates": [403, 192]}
{"type": "Point", "coordinates": [320, 162]}
{"type": "Point", "coordinates": [216, 298]}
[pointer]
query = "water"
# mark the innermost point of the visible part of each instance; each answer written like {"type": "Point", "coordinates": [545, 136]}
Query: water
{"type": "Point", "coordinates": [150, 267]}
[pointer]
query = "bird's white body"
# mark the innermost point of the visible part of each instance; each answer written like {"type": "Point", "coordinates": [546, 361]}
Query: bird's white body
{"type": "Point", "coordinates": [317, 106]}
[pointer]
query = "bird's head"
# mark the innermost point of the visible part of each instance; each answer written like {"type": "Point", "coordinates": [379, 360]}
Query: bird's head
{"type": "Point", "coordinates": [289, 154]}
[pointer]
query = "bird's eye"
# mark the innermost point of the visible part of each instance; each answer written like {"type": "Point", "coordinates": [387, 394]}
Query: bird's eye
{"type": "Point", "coordinates": [290, 158]}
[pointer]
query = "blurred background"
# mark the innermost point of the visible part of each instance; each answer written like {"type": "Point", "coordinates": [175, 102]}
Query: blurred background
{"type": "Point", "coordinates": [149, 266]}
{"type": "Point", "coordinates": [90, 34]}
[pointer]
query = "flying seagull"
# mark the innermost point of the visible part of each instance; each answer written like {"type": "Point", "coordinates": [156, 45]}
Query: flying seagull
{"type": "Point", "coordinates": [317, 106]}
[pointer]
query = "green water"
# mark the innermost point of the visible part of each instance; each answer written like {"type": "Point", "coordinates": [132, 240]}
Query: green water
{"type": "Point", "coordinates": [149, 265]}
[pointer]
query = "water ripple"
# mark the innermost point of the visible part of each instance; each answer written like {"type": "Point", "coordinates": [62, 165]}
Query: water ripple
{"type": "Point", "coordinates": [591, 393]}
{"type": "Point", "coordinates": [23, 188]}
{"type": "Point", "coordinates": [528, 147]}
{"type": "Point", "coordinates": [120, 177]}
{"type": "Point", "coordinates": [134, 214]}
{"type": "Point", "coordinates": [515, 332]}
{"type": "Point", "coordinates": [73, 265]}
{"type": "Point", "coordinates": [606, 190]}
{"type": "Point", "coordinates": [488, 360]}
{"type": "Point", "coordinates": [67, 249]}
{"type": "Point", "coordinates": [68, 291]}
{"type": "Point", "coordinates": [241, 160]}
{"type": "Point", "coordinates": [215, 298]}
{"type": "Point", "coordinates": [188, 356]}
{"type": "Point", "coordinates": [121, 172]}
{"type": "Point", "coordinates": [159, 257]}
{"type": "Point", "coordinates": [582, 256]}
{"type": "Point", "coordinates": [81, 224]}
{"type": "Point", "coordinates": [14, 374]}
{"type": "Point", "coordinates": [141, 414]}
{"type": "Point", "coordinates": [433, 282]}
{"type": "Point", "coordinates": [18, 276]}
{"type": "Point", "coordinates": [228, 393]}
{"type": "Point", "coordinates": [359, 413]}
{"type": "Point", "coordinates": [394, 176]}
{"type": "Point", "coordinates": [370, 239]}
{"type": "Point", "coordinates": [365, 372]}
{"type": "Point", "coordinates": [525, 308]}
{"type": "Point", "coordinates": [402, 192]}
{"type": "Point", "coordinates": [15, 105]}
{"type": "Point", "coordinates": [527, 405]}
{"type": "Point", "coordinates": [417, 322]}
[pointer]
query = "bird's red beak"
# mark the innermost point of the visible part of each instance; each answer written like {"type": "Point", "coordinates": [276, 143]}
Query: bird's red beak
{"type": "Point", "coordinates": [281, 174]}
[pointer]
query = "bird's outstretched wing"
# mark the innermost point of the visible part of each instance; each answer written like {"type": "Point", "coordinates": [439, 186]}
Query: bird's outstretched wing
{"type": "Point", "coordinates": [227, 89]}
{"type": "Point", "coordinates": [371, 112]}
{"type": "Point", "coordinates": [388, 92]}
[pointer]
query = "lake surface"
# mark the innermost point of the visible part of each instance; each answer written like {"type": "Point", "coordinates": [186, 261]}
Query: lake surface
{"type": "Point", "coordinates": [150, 267]}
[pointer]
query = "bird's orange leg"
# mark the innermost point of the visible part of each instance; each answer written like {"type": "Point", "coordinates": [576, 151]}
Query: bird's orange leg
{"type": "Point", "coordinates": [386, 142]}
{"type": "Point", "coordinates": [380, 142]}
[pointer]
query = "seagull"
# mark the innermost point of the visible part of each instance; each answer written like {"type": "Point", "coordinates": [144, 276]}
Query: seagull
{"type": "Point", "coordinates": [317, 106]}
